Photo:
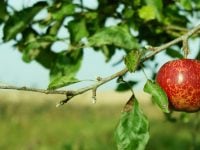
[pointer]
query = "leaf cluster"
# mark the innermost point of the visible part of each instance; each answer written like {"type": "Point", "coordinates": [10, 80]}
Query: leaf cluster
{"type": "Point", "coordinates": [137, 22]}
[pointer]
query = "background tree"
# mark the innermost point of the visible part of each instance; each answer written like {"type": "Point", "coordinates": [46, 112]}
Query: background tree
{"type": "Point", "coordinates": [140, 28]}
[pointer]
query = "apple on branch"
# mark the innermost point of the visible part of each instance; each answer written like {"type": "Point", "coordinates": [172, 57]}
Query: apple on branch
{"type": "Point", "coordinates": [180, 79]}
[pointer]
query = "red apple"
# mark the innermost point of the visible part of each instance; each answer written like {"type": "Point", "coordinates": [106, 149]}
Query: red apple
{"type": "Point", "coordinates": [180, 79]}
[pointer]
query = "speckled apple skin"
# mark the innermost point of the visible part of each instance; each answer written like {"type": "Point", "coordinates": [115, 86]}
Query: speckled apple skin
{"type": "Point", "coordinates": [180, 79]}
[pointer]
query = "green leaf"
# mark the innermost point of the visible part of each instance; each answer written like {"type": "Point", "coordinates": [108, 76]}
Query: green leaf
{"type": "Point", "coordinates": [147, 13]}
{"type": "Point", "coordinates": [158, 95]}
{"type": "Point", "coordinates": [20, 20]}
{"type": "Point", "coordinates": [78, 30]}
{"type": "Point", "coordinates": [186, 4]}
{"type": "Point", "coordinates": [46, 58]}
{"type": "Point", "coordinates": [128, 12]}
{"type": "Point", "coordinates": [91, 15]}
{"type": "Point", "coordinates": [132, 132]}
{"type": "Point", "coordinates": [118, 36]}
{"type": "Point", "coordinates": [196, 3]}
{"type": "Point", "coordinates": [158, 7]}
{"type": "Point", "coordinates": [37, 47]}
{"type": "Point", "coordinates": [3, 12]}
{"type": "Point", "coordinates": [125, 86]}
{"type": "Point", "coordinates": [62, 81]}
{"type": "Point", "coordinates": [108, 51]}
{"type": "Point", "coordinates": [34, 47]}
{"type": "Point", "coordinates": [132, 60]}
{"type": "Point", "coordinates": [60, 11]}
{"type": "Point", "coordinates": [173, 53]}
{"type": "Point", "coordinates": [136, 3]}
{"type": "Point", "coordinates": [64, 69]}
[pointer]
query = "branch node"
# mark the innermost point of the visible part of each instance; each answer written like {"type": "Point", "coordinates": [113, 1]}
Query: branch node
{"type": "Point", "coordinates": [64, 101]}
{"type": "Point", "coordinates": [61, 103]}
{"type": "Point", "coordinates": [149, 47]}
{"type": "Point", "coordinates": [99, 78]}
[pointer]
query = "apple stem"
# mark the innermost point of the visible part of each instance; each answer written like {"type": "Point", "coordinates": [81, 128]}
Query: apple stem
{"type": "Point", "coordinates": [124, 81]}
{"type": "Point", "coordinates": [186, 49]}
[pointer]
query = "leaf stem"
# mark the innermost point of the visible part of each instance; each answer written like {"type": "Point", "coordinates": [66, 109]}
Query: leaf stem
{"type": "Point", "coordinates": [144, 74]}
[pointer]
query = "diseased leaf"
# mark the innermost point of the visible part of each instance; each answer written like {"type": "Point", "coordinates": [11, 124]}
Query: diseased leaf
{"type": "Point", "coordinates": [158, 95]}
{"type": "Point", "coordinates": [20, 20]}
{"type": "Point", "coordinates": [132, 60]}
{"type": "Point", "coordinates": [64, 69]}
{"type": "Point", "coordinates": [62, 81]}
{"type": "Point", "coordinates": [132, 132]}
{"type": "Point", "coordinates": [118, 36]}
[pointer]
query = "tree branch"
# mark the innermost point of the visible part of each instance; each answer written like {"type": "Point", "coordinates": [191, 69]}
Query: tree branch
{"type": "Point", "coordinates": [34, 90]}
{"type": "Point", "coordinates": [100, 81]}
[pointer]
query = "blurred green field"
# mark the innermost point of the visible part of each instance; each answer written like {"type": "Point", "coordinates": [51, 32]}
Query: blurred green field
{"type": "Point", "coordinates": [29, 125]}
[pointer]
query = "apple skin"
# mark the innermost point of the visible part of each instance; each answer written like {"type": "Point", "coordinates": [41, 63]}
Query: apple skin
{"type": "Point", "coordinates": [180, 79]}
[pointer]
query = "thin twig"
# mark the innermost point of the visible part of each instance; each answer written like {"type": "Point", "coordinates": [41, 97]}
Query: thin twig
{"type": "Point", "coordinates": [71, 94]}
{"type": "Point", "coordinates": [173, 42]}
{"type": "Point", "coordinates": [176, 28]}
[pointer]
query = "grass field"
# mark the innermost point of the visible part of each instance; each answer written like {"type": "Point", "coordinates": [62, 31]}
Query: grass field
{"type": "Point", "coordinates": [30, 124]}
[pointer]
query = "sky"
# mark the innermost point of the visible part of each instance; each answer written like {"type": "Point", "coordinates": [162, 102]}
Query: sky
{"type": "Point", "coordinates": [13, 71]}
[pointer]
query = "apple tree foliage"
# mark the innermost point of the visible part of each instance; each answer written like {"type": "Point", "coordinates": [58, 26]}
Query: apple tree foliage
{"type": "Point", "coordinates": [36, 28]}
